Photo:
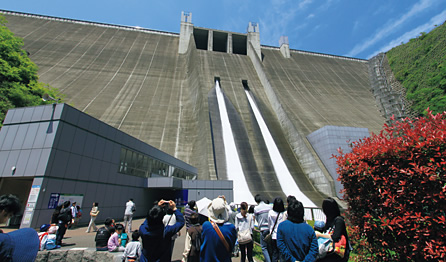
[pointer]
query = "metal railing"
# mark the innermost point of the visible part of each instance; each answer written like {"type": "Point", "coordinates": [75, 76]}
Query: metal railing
{"type": "Point", "coordinates": [311, 213]}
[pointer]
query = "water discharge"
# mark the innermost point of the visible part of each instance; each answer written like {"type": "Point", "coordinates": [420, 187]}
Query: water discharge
{"type": "Point", "coordinates": [287, 183]}
{"type": "Point", "coordinates": [234, 168]}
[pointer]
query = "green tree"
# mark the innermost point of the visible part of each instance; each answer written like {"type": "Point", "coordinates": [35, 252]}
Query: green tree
{"type": "Point", "coordinates": [19, 85]}
{"type": "Point", "coordinates": [420, 65]}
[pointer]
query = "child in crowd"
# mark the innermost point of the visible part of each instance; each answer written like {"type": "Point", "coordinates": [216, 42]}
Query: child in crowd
{"type": "Point", "coordinates": [124, 237]}
{"type": "Point", "coordinates": [53, 229]}
{"type": "Point", "coordinates": [133, 250]}
{"type": "Point", "coordinates": [114, 242]}
{"type": "Point", "coordinates": [324, 244]}
{"type": "Point", "coordinates": [47, 240]}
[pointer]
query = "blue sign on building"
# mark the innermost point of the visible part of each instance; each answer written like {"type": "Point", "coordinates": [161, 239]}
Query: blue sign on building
{"type": "Point", "coordinates": [54, 199]}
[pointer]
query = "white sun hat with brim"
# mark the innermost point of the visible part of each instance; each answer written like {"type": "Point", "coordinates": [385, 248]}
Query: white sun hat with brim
{"type": "Point", "coordinates": [218, 212]}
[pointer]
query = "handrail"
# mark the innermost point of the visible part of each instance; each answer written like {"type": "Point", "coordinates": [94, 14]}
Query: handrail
{"type": "Point", "coordinates": [311, 213]}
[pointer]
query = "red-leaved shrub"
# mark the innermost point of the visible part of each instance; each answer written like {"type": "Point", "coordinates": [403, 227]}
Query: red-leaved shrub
{"type": "Point", "coordinates": [395, 185]}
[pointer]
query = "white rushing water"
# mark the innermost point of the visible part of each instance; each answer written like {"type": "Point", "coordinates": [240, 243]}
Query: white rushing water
{"type": "Point", "coordinates": [287, 183]}
{"type": "Point", "coordinates": [233, 166]}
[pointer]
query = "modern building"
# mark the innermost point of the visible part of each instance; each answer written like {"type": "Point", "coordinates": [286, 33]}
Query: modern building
{"type": "Point", "coordinates": [53, 153]}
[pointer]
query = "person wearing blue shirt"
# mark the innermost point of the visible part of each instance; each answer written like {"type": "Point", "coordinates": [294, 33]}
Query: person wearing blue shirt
{"type": "Point", "coordinates": [157, 238]}
{"type": "Point", "coordinates": [213, 248]}
{"type": "Point", "coordinates": [296, 239]}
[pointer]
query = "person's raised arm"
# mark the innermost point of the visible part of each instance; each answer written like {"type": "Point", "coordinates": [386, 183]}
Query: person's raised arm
{"type": "Point", "coordinates": [171, 230]}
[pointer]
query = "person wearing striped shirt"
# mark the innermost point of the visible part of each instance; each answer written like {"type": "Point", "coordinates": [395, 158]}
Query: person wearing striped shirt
{"type": "Point", "coordinates": [261, 215]}
{"type": "Point", "coordinates": [188, 211]}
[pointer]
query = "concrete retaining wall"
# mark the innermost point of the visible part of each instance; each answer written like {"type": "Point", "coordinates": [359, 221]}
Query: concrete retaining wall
{"type": "Point", "coordinates": [86, 255]}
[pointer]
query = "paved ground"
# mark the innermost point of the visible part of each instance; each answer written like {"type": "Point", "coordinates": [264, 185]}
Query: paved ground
{"type": "Point", "coordinates": [78, 238]}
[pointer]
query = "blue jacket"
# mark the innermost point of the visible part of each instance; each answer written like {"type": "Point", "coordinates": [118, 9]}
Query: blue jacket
{"type": "Point", "coordinates": [212, 248]}
{"type": "Point", "coordinates": [297, 241]}
{"type": "Point", "coordinates": [156, 239]}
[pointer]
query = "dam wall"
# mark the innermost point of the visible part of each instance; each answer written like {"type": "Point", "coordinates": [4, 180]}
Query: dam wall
{"type": "Point", "coordinates": [146, 84]}
{"type": "Point", "coordinates": [310, 164]}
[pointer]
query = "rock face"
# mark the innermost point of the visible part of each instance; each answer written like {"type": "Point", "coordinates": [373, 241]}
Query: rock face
{"type": "Point", "coordinates": [136, 80]}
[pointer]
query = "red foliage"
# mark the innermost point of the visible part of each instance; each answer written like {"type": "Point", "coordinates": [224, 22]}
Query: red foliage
{"type": "Point", "coordinates": [395, 184]}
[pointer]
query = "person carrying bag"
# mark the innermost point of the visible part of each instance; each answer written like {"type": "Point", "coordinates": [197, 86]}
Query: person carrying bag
{"type": "Point", "coordinates": [269, 238]}
{"type": "Point", "coordinates": [244, 226]}
{"type": "Point", "coordinates": [336, 231]}
{"type": "Point", "coordinates": [217, 234]}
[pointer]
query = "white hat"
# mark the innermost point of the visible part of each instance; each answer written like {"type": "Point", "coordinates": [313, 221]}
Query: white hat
{"type": "Point", "coordinates": [218, 211]}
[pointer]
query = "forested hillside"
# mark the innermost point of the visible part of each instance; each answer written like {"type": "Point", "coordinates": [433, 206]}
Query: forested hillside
{"type": "Point", "coordinates": [19, 85]}
{"type": "Point", "coordinates": [420, 65]}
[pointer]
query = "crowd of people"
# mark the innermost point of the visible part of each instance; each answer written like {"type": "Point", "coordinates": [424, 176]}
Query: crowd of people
{"type": "Point", "coordinates": [214, 235]}
{"type": "Point", "coordinates": [217, 233]}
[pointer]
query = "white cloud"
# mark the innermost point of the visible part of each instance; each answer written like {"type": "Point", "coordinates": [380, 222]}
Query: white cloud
{"type": "Point", "coordinates": [436, 20]}
{"type": "Point", "coordinates": [391, 27]}
{"type": "Point", "coordinates": [283, 16]}
{"type": "Point", "coordinates": [275, 22]}
{"type": "Point", "coordinates": [304, 3]}
{"type": "Point", "coordinates": [327, 4]}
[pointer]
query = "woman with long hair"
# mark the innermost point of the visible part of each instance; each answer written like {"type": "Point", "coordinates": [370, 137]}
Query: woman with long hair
{"type": "Point", "coordinates": [275, 217]}
{"type": "Point", "coordinates": [93, 214]}
{"type": "Point", "coordinates": [334, 229]}
{"type": "Point", "coordinates": [244, 222]}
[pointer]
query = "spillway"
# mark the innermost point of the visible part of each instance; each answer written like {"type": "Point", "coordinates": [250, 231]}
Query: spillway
{"type": "Point", "coordinates": [233, 164]}
{"type": "Point", "coordinates": [286, 181]}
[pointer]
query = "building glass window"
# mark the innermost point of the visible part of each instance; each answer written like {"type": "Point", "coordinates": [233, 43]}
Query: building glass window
{"type": "Point", "coordinates": [137, 164]}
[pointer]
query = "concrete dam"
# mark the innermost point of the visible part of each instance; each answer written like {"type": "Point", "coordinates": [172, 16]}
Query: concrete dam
{"type": "Point", "coordinates": [160, 87]}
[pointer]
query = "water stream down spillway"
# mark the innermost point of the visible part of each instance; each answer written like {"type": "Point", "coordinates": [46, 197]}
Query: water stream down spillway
{"type": "Point", "coordinates": [234, 168]}
{"type": "Point", "coordinates": [286, 181]}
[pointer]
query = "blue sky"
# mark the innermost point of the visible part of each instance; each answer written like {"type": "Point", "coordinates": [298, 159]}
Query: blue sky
{"type": "Point", "coordinates": [355, 28]}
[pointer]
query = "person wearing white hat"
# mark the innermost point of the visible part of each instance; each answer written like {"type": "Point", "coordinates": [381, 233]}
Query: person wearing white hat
{"type": "Point", "coordinates": [218, 234]}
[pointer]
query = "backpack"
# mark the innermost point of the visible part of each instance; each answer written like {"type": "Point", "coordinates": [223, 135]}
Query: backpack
{"type": "Point", "coordinates": [102, 236]}
{"type": "Point", "coordinates": [196, 243]}
{"type": "Point", "coordinates": [65, 215]}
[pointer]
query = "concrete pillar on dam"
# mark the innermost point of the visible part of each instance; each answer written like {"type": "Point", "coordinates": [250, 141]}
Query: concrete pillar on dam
{"type": "Point", "coordinates": [254, 38]}
{"type": "Point", "coordinates": [229, 44]}
{"type": "Point", "coordinates": [186, 31]}
{"type": "Point", "coordinates": [284, 46]}
{"type": "Point", "coordinates": [210, 40]}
